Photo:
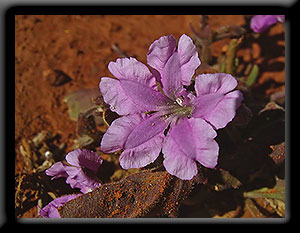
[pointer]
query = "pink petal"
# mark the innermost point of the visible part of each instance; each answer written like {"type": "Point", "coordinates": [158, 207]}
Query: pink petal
{"type": "Point", "coordinates": [140, 136]}
{"type": "Point", "coordinates": [214, 83]}
{"type": "Point", "coordinates": [215, 103]}
{"type": "Point", "coordinates": [89, 184]}
{"type": "Point", "coordinates": [50, 210]}
{"type": "Point", "coordinates": [260, 23]}
{"type": "Point", "coordinates": [114, 95]}
{"type": "Point", "coordinates": [129, 97]}
{"type": "Point", "coordinates": [171, 77]}
{"type": "Point", "coordinates": [118, 132]}
{"type": "Point", "coordinates": [188, 141]}
{"type": "Point", "coordinates": [143, 96]}
{"type": "Point", "coordinates": [72, 157]}
{"type": "Point", "coordinates": [217, 109]}
{"type": "Point", "coordinates": [78, 179]}
{"type": "Point", "coordinates": [160, 51]}
{"type": "Point", "coordinates": [131, 69]}
{"type": "Point", "coordinates": [184, 65]}
{"type": "Point", "coordinates": [143, 154]}
{"type": "Point", "coordinates": [189, 60]}
{"type": "Point", "coordinates": [53, 212]}
{"type": "Point", "coordinates": [57, 170]}
{"type": "Point", "coordinates": [84, 158]}
{"type": "Point", "coordinates": [204, 104]}
{"type": "Point", "coordinates": [72, 181]}
{"type": "Point", "coordinates": [89, 159]}
{"type": "Point", "coordinates": [134, 91]}
{"type": "Point", "coordinates": [209, 152]}
{"type": "Point", "coordinates": [145, 131]}
{"type": "Point", "coordinates": [74, 172]}
{"type": "Point", "coordinates": [176, 162]}
{"type": "Point", "coordinates": [225, 110]}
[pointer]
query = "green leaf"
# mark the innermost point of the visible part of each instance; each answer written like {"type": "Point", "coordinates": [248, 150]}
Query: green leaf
{"type": "Point", "coordinates": [80, 101]}
{"type": "Point", "coordinates": [230, 61]}
{"type": "Point", "coordinates": [252, 76]}
{"type": "Point", "coordinates": [277, 192]}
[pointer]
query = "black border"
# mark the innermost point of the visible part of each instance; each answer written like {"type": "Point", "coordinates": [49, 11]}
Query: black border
{"type": "Point", "coordinates": [127, 9]}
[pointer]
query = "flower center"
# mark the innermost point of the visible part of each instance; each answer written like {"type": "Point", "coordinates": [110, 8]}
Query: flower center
{"type": "Point", "coordinates": [179, 108]}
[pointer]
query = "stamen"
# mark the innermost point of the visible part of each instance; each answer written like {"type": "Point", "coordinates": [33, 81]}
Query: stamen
{"type": "Point", "coordinates": [179, 101]}
{"type": "Point", "coordinates": [176, 109]}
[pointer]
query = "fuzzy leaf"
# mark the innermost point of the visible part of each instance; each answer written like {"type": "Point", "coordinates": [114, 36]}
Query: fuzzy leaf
{"type": "Point", "coordinates": [144, 194]}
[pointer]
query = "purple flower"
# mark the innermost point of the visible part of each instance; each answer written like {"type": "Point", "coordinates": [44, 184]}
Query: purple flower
{"type": "Point", "coordinates": [81, 171]}
{"type": "Point", "coordinates": [50, 210]}
{"type": "Point", "coordinates": [158, 113]}
{"type": "Point", "coordinates": [260, 23]}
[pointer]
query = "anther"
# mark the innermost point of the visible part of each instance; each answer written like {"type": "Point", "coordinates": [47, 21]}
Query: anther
{"type": "Point", "coordinates": [179, 100]}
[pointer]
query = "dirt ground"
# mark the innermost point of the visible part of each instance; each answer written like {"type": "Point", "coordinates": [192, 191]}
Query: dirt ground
{"type": "Point", "coordinates": [56, 55]}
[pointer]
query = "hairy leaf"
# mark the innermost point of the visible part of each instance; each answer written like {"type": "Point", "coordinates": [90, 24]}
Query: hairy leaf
{"type": "Point", "coordinates": [145, 194]}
